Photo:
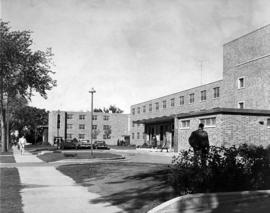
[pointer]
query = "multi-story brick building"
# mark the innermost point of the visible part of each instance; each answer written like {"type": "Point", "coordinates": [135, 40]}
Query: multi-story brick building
{"type": "Point", "coordinates": [109, 127]}
{"type": "Point", "coordinates": [235, 110]}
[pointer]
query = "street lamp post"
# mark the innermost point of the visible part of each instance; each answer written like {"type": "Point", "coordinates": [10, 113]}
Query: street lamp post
{"type": "Point", "coordinates": [92, 91]}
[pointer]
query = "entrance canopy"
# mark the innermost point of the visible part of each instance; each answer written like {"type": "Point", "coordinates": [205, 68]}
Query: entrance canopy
{"type": "Point", "coordinates": [161, 119]}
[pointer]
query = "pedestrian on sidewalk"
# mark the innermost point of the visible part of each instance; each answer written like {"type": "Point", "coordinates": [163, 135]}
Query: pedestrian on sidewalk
{"type": "Point", "coordinates": [22, 142]}
{"type": "Point", "coordinates": [165, 144]}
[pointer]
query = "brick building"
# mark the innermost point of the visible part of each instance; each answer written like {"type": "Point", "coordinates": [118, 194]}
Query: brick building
{"type": "Point", "coordinates": [109, 127]}
{"type": "Point", "coordinates": [234, 110]}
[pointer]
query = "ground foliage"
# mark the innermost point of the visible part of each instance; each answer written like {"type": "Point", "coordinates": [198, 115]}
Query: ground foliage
{"type": "Point", "coordinates": [246, 167]}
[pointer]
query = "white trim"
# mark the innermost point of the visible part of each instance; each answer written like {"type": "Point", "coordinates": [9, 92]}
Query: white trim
{"type": "Point", "coordinates": [238, 82]}
{"type": "Point", "coordinates": [239, 103]}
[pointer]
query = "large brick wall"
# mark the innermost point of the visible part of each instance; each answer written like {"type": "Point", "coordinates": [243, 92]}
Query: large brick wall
{"type": "Point", "coordinates": [248, 57]}
{"type": "Point", "coordinates": [118, 123]}
{"type": "Point", "coordinates": [229, 130]}
{"type": "Point", "coordinates": [214, 133]}
{"type": "Point", "coordinates": [238, 129]}
{"type": "Point", "coordinates": [209, 103]}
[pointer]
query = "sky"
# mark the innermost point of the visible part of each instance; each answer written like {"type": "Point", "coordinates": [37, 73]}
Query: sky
{"type": "Point", "coordinates": [131, 51]}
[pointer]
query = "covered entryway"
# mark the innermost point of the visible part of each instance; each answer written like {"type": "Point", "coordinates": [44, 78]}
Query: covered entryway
{"type": "Point", "coordinates": [159, 131]}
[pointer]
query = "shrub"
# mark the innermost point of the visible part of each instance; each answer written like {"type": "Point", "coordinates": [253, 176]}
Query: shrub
{"type": "Point", "coordinates": [227, 169]}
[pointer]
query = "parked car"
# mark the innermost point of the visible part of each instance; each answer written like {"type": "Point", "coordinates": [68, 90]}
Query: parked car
{"type": "Point", "coordinates": [68, 144]}
{"type": "Point", "coordinates": [100, 145]}
{"type": "Point", "coordinates": [83, 144]}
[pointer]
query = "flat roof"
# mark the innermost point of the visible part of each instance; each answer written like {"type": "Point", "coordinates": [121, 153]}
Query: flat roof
{"type": "Point", "coordinates": [156, 119]}
{"type": "Point", "coordinates": [228, 111]}
{"type": "Point", "coordinates": [218, 110]}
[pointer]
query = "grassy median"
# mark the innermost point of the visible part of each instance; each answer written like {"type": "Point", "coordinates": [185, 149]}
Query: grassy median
{"type": "Point", "coordinates": [134, 187]}
{"type": "Point", "coordinates": [56, 156]}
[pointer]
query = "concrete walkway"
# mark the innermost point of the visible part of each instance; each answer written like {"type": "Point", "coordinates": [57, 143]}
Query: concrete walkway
{"type": "Point", "coordinates": [46, 190]}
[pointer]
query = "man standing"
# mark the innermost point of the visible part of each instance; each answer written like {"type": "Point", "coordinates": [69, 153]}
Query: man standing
{"type": "Point", "coordinates": [198, 140]}
{"type": "Point", "coordinates": [22, 142]}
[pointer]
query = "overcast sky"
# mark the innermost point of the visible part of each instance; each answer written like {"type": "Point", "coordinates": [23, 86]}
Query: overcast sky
{"type": "Point", "coordinates": [131, 51]}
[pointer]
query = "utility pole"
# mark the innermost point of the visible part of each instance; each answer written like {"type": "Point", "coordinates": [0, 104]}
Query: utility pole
{"type": "Point", "coordinates": [92, 91]}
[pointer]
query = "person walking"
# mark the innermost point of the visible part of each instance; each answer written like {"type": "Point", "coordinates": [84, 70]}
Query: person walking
{"type": "Point", "coordinates": [22, 142]}
{"type": "Point", "coordinates": [165, 144]}
{"type": "Point", "coordinates": [199, 141]}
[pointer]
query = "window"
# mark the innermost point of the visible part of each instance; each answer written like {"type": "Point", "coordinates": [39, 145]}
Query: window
{"type": "Point", "coordinates": [268, 123]}
{"type": "Point", "coordinates": [69, 126]}
{"type": "Point", "coordinates": [241, 82]}
{"type": "Point", "coordinates": [203, 95]}
{"type": "Point", "coordinates": [216, 92]}
{"type": "Point", "coordinates": [106, 117]}
{"type": "Point", "coordinates": [138, 125]}
{"type": "Point", "coordinates": [209, 122]}
{"type": "Point", "coordinates": [132, 135]}
{"type": "Point", "coordinates": [144, 108]}
{"type": "Point", "coordinates": [172, 102]}
{"type": "Point", "coordinates": [191, 98]}
{"type": "Point", "coordinates": [133, 111]}
{"type": "Point", "coordinates": [157, 106]}
{"type": "Point", "coordinates": [133, 124]}
{"type": "Point", "coordinates": [81, 126]}
{"type": "Point", "coordinates": [94, 127]}
{"type": "Point", "coordinates": [164, 103]}
{"type": "Point", "coordinates": [81, 117]}
{"type": "Point", "coordinates": [182, 100]}
{"type": "Point", "coordinates": [106, 127]}
{"type": "Point", "coordinates": [69, 116]}
{"type": "Point", "coordinates": [241, 105]}
{"type": "Point", "coordinates": [138, 135]}
{"type": "Point", "coordinates": [94, 117]}
{"type": "Point", "coordinates": [138, 110]}
{"type": "Point", "coordinates": [150, 107]}
{"type": "Point", "coordinates": [185, 124]}
{"type": "Point", "coordinates": [69, 136]}
{"type": "Point", "coordinates": [81, 136]}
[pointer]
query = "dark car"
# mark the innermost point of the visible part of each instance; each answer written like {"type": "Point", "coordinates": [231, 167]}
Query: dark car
{"type": "Point", "coordinates": [83, 144]}
{"type": "Point", "coordinates": [68, 144]}
{"type": "Point", "coordinates": [100, 145]}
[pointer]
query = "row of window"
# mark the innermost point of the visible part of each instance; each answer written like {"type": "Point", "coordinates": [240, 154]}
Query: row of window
{"type": "Point", "coordinates": [82, 126]}
{"type": "Point", "coordinates": [138, 135]}
{"type": "Point", "coordinates": [82, 117]}
{"type": "Point", "coordinates": [172, 101]}
{"type": "Point", "coordinates": [82, 136]}
{"type": "Point", "coordinates": [208, 122]}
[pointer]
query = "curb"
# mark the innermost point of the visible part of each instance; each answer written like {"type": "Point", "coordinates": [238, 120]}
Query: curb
{"type": "Point", "coordinates": [185, 198]}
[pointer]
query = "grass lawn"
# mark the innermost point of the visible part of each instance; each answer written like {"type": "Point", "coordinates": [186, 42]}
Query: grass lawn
{"type": "Point", "coordinates": [7, 157]}
{"type": "Point", "coordinates": [135, 187]}
{"type": "Point", "coordinates": [50, 157]}
{"type": "Point", "coordinates": [122, 147]}
{"type": "Point", "coordinates": [10, 199]}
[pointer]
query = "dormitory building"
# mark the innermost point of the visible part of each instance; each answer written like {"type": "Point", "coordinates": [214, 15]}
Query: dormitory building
{"type": "Point", "coordinates": [234, 110]}
{"type": "Point", "coordinates": [108, 127]}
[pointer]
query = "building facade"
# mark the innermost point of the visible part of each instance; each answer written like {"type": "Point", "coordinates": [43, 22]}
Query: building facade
{"type": "Point", "coordinates": [234, 110]}
{"type": "Point", "coordinates": [109, 127]}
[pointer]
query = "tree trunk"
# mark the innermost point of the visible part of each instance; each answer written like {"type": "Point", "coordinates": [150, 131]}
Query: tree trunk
{"type": "Point", "coordinates": [3, 130]}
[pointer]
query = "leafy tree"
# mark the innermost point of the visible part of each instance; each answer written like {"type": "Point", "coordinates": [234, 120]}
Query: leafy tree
{"type": "Point", "coordinates": [98, 110]}
{"type": "Point", "coordinates": [114, 109]}
{"type": "Point", "coordinates": [23, 71]}
{"type": "Point", "coordinates": [30, 118]}
{"type": "Point", "coordinates": [95, 133]}
{"type": "Point", "coordinates": [108, 132]}
{"type": "Point", "coordinates": [105, 110]}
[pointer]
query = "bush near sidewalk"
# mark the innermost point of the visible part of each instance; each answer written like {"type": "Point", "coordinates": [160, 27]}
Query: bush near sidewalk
{"type": "Point", "coordinates": [228, 169]}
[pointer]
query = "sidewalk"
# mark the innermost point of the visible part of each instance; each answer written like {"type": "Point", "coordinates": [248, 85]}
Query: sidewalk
{"type": "Point", "coordinates": [46, 190]}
